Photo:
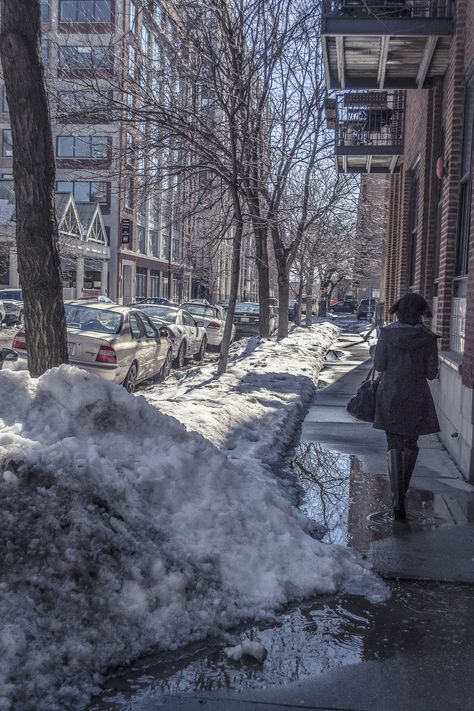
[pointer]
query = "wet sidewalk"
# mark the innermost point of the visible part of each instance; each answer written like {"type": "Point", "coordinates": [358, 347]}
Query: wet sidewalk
{"type": "Point", "coordinates": [437, 540]}
{"type": "Point", "coordinates": [341, 653]}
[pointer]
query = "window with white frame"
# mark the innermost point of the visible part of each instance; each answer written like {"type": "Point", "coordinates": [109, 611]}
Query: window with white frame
{"type": "Point", "coordinates": [141, 275]}
{"type": "Point", "coordinates": [153, 242]}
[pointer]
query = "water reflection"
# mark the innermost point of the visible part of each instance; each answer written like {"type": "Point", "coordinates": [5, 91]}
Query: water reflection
{"type": "Point", "coordinates": [324, 479]}
{"type": "Point", "coordinates": [422, 622]}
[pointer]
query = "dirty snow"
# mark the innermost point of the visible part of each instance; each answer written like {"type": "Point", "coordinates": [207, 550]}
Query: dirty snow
{"type": "Point", "coordinates": [247, 648]}
{"type": "Point", "coordinates": [123, 531]}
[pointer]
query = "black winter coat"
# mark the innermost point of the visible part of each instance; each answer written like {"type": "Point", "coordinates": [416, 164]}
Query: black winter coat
{"type": "Point", "coordinates": [406, 355]}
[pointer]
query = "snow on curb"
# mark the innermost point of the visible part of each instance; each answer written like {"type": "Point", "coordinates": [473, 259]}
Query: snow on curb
{"type": "Point", "coordinates": [122, 532]}
{"type": "Point", "coordinates": [252, 411]}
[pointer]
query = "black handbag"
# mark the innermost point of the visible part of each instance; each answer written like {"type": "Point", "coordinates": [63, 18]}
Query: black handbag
{"type": "Point", "coordinates": [362, 405]}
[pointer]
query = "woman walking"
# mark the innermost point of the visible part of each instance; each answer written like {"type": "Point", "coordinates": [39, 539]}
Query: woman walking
{"type": "Point", "coordinates": [406, 355]}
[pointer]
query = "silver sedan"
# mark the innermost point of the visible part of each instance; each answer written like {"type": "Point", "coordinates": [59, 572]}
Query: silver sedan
{"type": "Point", "coordinates": [114, 342]}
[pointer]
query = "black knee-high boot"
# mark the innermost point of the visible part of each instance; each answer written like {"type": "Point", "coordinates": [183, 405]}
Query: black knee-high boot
{"type": "Point", "coordinates": [395, 470]}
{"type": "Point", "coordinates": [409, 460]}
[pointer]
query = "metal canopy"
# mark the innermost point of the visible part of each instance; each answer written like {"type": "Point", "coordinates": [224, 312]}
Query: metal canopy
{"type": "Point", "coordinates": [369, 128]}
{"type": "Point", "coordinates": [386, 44]}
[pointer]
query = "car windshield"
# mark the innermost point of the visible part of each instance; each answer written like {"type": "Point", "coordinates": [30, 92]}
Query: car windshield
{"type": "Point", "coordinates": [14, 295]}
{"type": "Point", "coordinates": [200, 310]}
{"type": "Point", "coordinates": [89, 319]}
{"type": "Point", "coordinates": [165, 313]}
{"type": "Point", "coordinates": [247, 309]}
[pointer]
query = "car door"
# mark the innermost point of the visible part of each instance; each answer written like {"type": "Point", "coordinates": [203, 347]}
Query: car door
{"type": "Point", "coordinates": [192, 332]}
{"type": "Point", "coordinates": [156, 352]}
{"type": "Point", "coordinates": [144, 349]}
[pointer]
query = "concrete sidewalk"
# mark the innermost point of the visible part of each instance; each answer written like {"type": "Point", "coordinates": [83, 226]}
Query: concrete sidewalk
{"type": "Point", "coordinates": [437, 540]}
{"type": "Point", "coordinates": [340, 653]}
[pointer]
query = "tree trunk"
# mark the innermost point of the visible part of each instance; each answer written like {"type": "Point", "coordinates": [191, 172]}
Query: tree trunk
{"type": "Point", "coordinates": [34, 176]}
{"type": "Point", "coordinates": [309, 296]}
{"type": "Point", "coordinates": [283, 298]}
{"type": "Point", "coordinates": [234, 289]}
{"type": "Point", "coordinates": [261, 247]}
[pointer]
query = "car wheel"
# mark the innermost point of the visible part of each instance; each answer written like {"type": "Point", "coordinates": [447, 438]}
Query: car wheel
{"type": "Point", "coordinates": [181, 357]}
{"type": "Point", "coordinates": [130, 382]}
{"type": "Point", "coordinates": [166, 367]}
{"type": "Point", "coordinates": [202, 349]}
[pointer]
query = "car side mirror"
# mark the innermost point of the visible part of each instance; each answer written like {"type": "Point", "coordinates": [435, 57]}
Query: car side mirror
{"type": "Point", "coordinates": [8, 354]}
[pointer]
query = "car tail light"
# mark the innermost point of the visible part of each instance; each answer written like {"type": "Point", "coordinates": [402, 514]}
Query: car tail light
{"type": "Point", "coordinates": [19, 342]}
{"type": "Point", "coordinates": [214, 324]}
{"type": "Point", "coordinates": [106, 354]}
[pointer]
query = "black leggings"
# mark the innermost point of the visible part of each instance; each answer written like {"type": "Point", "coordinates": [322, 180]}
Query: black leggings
{"type": "Point", "coordinates": [396, 441]}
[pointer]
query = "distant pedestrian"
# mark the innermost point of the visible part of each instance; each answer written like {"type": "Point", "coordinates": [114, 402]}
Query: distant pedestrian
{"type": "Point", "coordinates": [406, 355]}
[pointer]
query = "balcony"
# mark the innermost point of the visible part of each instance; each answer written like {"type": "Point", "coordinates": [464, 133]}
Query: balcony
{"type": "Point", "coordinates": [369, 129]}
{"type": "Point", "coordinates": [385, 44]}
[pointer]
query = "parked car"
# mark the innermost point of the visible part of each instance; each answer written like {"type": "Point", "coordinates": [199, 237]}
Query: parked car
{"type": "Point", "coordinates": [344, 306]}
{"type": "Point", "coordinates": [2, 313]}
{"type": "Point", "coordinates": [188, 337]}
{"type": "Point", "coordinates": [102, 298]}
{"type": "Point", "coordinates": [13, 305]}
{"type": "Point", "coordinates": [156, 300]}
{"type": "Point", "coordinates": [213, 318]}
{"type": "Point", "coordinates": [117, 343]}
{"type": "Point", "coordinates": [366, 309]}
{"type": "Point", "coordinates": [224, 303]}
{"type": "Point", "coordinates": [247, 319]}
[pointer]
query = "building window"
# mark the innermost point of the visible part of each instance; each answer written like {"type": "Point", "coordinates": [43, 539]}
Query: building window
{"type": "Point", "coordinates": [83, 57]}
{"type": "Point", "coordinates": [85, 11]}
{"type": "Point", "coordinates": [44, 10]}
{"type": "Point", "coordinates": [84, 101]}
{"type": "Point", "coordinates": [142, 202]}
{"type": "Point", "coordinates": [133, 18]}
{"type": "Point", "coordinates": [7, 143]}
{"type": "Point", "coordinates": [158, 14]}
{"type": "Point", "coordinates": [141, 242]}
{"type": "Point", "coordinates": [175, 249]}
{"type": "Point", "coordinates": [129, 193]}
{"type": "Point", "coordinates": [84, 191]}
{"type": "Point", "coordinates": [45, 50]}
{"type": "Point", "coordinates": [5, 108]}
{"type": "Point", "coordinates": [154, 282]}
{"type": "Point", "coordinates": [465, 188]}
{"type": "Point", "coordinates": [83, 146]}
{"type": "Point", "coordinates": [176, 288]}
{"type": "Point", "coordinates": [412, 230]}
{"type": "Point", "coordinates": [153, 242]}
{"type": "Point", "coordinates": [141, 282]}
{"type": "Point", "coordinates": [132, 61]}
{"type": "Point", "coordinates": [145, 35]}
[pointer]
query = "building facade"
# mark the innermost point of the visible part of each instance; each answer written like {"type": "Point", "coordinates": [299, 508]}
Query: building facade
{"type": "Point", "coordinates": [425, 51]}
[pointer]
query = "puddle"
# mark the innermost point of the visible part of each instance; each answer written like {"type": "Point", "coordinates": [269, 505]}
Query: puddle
{"type": "Point", "coordinates": [352, 507]}
{"type": "Point", "coordinates": [421, 622]}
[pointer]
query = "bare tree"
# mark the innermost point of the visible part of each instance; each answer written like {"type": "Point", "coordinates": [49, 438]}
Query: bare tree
{"type": "Point", "coordinates": [34, 174]}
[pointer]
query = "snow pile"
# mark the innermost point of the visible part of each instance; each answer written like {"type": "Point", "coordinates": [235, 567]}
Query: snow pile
{"type": "Point", "coordinates": [252, 411]}
{"type": "Point", "coordinates": [122, 531]}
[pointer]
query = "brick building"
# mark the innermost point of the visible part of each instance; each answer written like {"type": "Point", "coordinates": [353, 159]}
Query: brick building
{"type": "Point", "coordinates": [420, 52]}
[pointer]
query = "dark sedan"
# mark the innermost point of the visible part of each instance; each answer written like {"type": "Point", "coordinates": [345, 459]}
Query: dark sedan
{"type": "Point", "coordinates": [247, 319]}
